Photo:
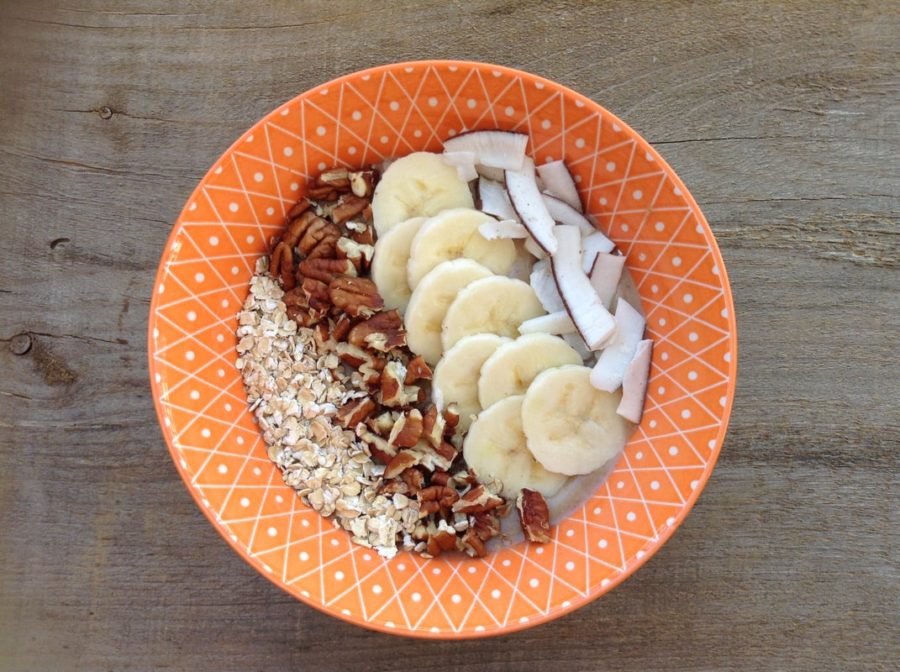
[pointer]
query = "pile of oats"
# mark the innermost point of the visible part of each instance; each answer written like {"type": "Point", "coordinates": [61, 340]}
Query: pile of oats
{"type": "Point", "coordinates": [295, 388]}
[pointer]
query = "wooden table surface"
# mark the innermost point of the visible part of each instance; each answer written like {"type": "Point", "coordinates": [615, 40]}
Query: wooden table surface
{"type": "Point", "coordinates": [782, 118]}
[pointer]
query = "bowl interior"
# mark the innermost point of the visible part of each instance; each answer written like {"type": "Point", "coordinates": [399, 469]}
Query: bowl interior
{"type": "Point", "coordinates": [364, 118]}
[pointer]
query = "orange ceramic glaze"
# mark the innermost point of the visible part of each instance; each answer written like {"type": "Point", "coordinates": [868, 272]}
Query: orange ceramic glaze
{"type": "Point", "coordinates": [390, 111]}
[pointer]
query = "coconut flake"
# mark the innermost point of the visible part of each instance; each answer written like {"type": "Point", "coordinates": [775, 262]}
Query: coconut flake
{"type": "Point", "coordinates": [558, 182]}
{"type": "Point", "coordinates": [605, 276]}
{"type": "Point", "coordinates": [553, 323]}
{"type": "Point", "coordinates": [634, 383]}
{"type": "Point", "coordinates": [590, 316]}
{"type": "Point", "coordinates": [490, 173]}
{"type": "Point", "coordinates": [544, 286]}
{"type": "Point", "coordinates": [609, 371]}
{"type": "Point", "coordinates": [495, 200]}
{"type": "Point", "coordinates": [593, 245]}
{"type": "Point", "coordinates": [564, 213]}
{"type": "Point", "coordinates": [497, 149]}
{"type": "Point", "coordinates": [505, 228]}
{"type": "Point", "coordinates": [532, 211]}
{"type": "Point", "coordinates": [464, 162]}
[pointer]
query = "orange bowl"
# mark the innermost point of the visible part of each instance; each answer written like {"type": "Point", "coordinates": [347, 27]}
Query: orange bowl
{"type": "Point", "coordinates": [389, 111]}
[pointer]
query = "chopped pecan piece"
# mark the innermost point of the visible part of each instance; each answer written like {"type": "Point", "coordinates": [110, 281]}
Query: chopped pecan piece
{"type": "Point", "coordinates": [382, 332]}
{"type": "Point", "coordinates": [485, 525]}
{"type": "Point", "coordinates": [338, 178]}
{"type": "Point", "coordinates": [414, 479]}
{"type": "Point", "coordinates": [298, 308]}
{"type": "Point", "coordinates": [393, 392]}
{"type": "Point", "coordinates": [417, 369]}
{"type": "Point", "coordinates": [298, 209]}
{"type": "Point", "coordinates": [451, 417]}
{"type": "Point", "coordinates": [361, 232]}
{"type": "Point", "coordinates": [326, 270]}
{"type": "Point", "coordinates": [362, 182]}
{"type": "Point", "coordinates": [358, 297]}
{"type": "Point", "coordinates": [407, 430]}
{"type": "Point", "coordinates": [354, 412]}
{"type": "Point", "coordinates": [348, 207]}
{"type": "Point", "coordinates": [394, 487]}
{"type": "Point", "coordinates": [341, 328]}
{"type": "Point", "coordinates": [322, 193]}
{"type": "Point", "coordinates": [477, 500]}
{"type": "Point", "coordinates": [357, 253]}
{"type": "Point", "coordinates": [321, 335]}
{"type": "Point", "coordinates": [472, 545]}
{"type": "Point", "coordinates": [400, 463]}
{"type": "Point", "coordinates": [382, 424]}
{"type": "Point", "coordinates": [378, 447]}
{"type": "Point", "coordinates": [534, 516]}
{"type": "Point", "coordinates": [440, 478]}
{"type": "Point", "coordinates": [317, 295]}
{"type": "Point", "coordinates": [444, 539]}
{"type": "Point", "coordinates": [433, 426]}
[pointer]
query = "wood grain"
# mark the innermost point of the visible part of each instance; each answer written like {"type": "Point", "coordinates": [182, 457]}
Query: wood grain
{"type": "Point", "coordinates": [782, 118]}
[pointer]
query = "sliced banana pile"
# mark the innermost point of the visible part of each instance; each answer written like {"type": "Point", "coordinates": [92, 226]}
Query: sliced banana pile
{"type": "Point", "coordinates": [511, 354]}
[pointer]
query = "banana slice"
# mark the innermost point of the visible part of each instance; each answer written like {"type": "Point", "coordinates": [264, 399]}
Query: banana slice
{"type": "Point", "coordinates": [572, 427]}
{"type": "Point", "coordinates": [495, 305]}
{"type": "Point", "coordinates": [513, 366]}
{"type": "Point", "coordinates": [452, 234]}
{"type": "Point", "coordinates": [389, 263]}
{"type": "Point", "coordinates": [456, 375]}
{"type": "Point", "coordinates": [429, 303]}
{"type": "Point", "coordinates": [418, 185]}
{"type": "Point", "coordinates": [495, 447]}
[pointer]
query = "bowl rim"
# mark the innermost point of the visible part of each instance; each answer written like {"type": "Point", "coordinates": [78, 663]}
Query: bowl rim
{"type": "Point", "coordinates": [577, 602]}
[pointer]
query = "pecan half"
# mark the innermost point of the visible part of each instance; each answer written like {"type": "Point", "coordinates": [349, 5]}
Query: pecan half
{"type": "Point", "coordinates": [299, 223]}
{"type": "Point", "coordinates": [320, 240]}
{"type": "Point", "coordinates": [326, 270]}
{"type": "Point", "coordinates": [348, 207]}
{"type": "Point", "coordinates": [407, 430]}
{"type": "Point", "coordinates": [443, 495]}
{"type": "Point", "coordinates": [282, 265]}
{"type": "Point", "coordinates": [382, 332]}
{"type": "Point", "coordinates": [534, 516]}
{"type": "Point", "coordinates": [354, 412]}
{"type": "Point", "coordinates": [477, 500]}
{"type": "Point", "coordinates": [400, 463]}
{"type": "Point", "coordinates": [358, 297]}
{"type": "Point", "coordinates": [359, 254]}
